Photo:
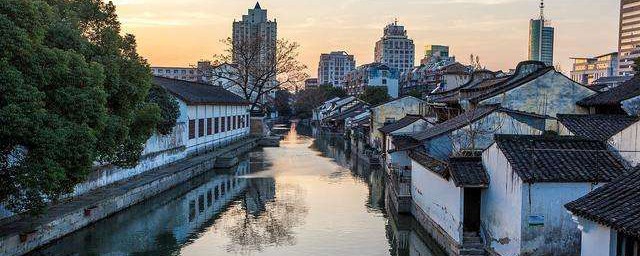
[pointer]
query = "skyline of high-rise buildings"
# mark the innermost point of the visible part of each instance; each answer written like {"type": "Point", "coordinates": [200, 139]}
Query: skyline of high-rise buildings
{"type": "Point", "coordinates": [541, 39]}
{"type": "Point", "coordinates": [629, 35]}
{"type": "Point", "coordinates": [395, 49]}
{"type": "Point", "coordinates": [255, 27]}
{"type": "Point", "coordinates": [334, 66]}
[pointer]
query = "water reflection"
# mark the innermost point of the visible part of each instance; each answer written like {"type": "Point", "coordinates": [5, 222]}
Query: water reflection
{"type": "Point", "coordinates": [308, 197]}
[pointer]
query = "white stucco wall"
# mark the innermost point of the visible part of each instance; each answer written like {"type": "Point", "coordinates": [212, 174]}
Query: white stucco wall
{"type": "Point", "coordinates": [628, 140]}
{"type": "Point", "coordinates": [560, 234]}
{"type": "Point", "coordinates": [396, 109]}
{"type": "Point", "coordinates": [440, 199]}
{"type": "Point", "coordinates": [597, 240]}
{"type": "Point", "coordinates": [549, 94]}
{"type": "Point", "coordinates": [501, 213]}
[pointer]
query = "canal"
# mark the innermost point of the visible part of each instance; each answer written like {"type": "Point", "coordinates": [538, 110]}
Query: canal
{"type": "Point", "coordinates": [307, 197]}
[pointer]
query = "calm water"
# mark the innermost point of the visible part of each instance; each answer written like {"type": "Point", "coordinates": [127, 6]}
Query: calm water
{"type": "Point", "coordinates": [307, 197]}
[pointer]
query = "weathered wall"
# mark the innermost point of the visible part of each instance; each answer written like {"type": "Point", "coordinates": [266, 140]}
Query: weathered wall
{"type": "Point", "coordinates": [559, 235]}
{"type": "Point", "coordinates": [501, 209]}
{"type": "Point", "coordinates": [628, 140]}
{"type": "Point", "coordinates": [395, 110]}
{"type": "Point", "coordinates": [482, 132]}
{"type": "Point", "coordinates": [597, 240]}
{"type": "Point", "coordinates": [440, 199]}
{"type": "Point", "coordinates": [549, 94]}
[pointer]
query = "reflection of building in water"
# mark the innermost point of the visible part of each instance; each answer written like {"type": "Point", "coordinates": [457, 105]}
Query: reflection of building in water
{"type": "Point", "coordinates": [259, 192]}
{"type": "Point", "coordinates": [159, 225]}
{"type": "Point", "coordinates": [406, 237]}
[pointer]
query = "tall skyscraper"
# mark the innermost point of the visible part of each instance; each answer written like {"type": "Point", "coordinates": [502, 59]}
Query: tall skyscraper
{"type": "Point", "coordinates": [255, 27]}
{"type": "Point", "coordinates": [334, 66]}
{"type": "Point", "coordinates": [629, 36]}
{"type": "Point", "coordinates": [395, 49]}
{"type": "Point", "coordinates": [541, 39]}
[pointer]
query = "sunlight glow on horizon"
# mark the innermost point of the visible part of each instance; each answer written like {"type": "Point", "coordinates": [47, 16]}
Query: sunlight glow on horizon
{"type": "Point", "coordinates": [179, 33]}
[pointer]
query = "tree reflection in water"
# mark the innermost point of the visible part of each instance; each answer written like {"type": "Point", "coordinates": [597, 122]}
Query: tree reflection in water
{"type": "Point", "coordinates": [264, 219]}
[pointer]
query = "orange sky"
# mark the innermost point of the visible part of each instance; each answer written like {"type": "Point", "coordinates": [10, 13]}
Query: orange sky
{"type": "Point", "coordinates": [181, 32]}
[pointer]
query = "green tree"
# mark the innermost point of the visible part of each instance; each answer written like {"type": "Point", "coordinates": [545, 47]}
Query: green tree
{"type": "Point", "coordinates": [415, 93]}
{"type": "Point", "coordinates": [331, 91]}
{"type": "Point", "coordinates": [282, 103]}
{"type": "Point", "coordinates": [306, 100]}
{"type": "Point", "coordinates": [375, 95]}
{"type": "Point", "coordinates": [73, 92]}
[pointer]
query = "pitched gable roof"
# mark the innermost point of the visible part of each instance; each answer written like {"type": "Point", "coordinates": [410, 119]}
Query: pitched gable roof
{"type": "Point", "coordinates": [431, 163]}
{"type": "Point", "coordinates": [404, 122]}
{"type": "Point", "coordinates": [559, 158]}
{"type": "Point", "coordinates": [616, 205]}
{"type": "Point", "coordinates": [468, 172]}
{"type": "Point", "coordinates": [597, 127]}
{"type": "Point", "coordinates": [198, 93]}
{"type": "Point", "coordinates": [615, 95]}
{"type": "Point", "coordinates": [351, 112]}
{"type": "Point", "coordinates": [457, 122]}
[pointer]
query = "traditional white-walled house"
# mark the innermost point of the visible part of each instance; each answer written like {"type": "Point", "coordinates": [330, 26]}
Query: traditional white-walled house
{"type": "Point", "coordinates": [619, 131]}
{"type": "Point", "coordinates": [209, 115]}
{"type": "Point", "coordinates": [338, 121]}
{"type": "Point", "coordinates": [609, 218]}
{"type": "Point", "coordinates": [473, 130]}
{"type": "Point", "coordinates": [320, 112]}
{"type": "Point", "coordinates": [446, 198]}
{"type": "Point", "coordinates": [531, 178]}
{"type": "Point", "coordinates": [533, 87]}
{"type": "Point", "coordinates": [389, 112]}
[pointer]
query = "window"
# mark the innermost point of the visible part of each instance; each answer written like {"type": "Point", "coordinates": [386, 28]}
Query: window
{"type": "Point", "coordinates": [222, 125]}
{"type": "Point", "coordinates": [627, 245]}
{"type": "Point", "coordinates": [209, 126]}
{"type": "Point", "coordinates": [216, 193]}
{"type": "Point", "coordinates": [209, 198]}
{"type": "Point", "coordinates": [216, 122]}
{"type": "Point", "coordinates": [200, 127]}
{"type": "Point", "coordinates": [201, 203]}
{"type": "Point", "coordinates": [228, 123]}
{"type": "Point", "coordinates": [192, 210]}
{"type": "Point", "coordinates": [192, 129]}
{"type": "Point", "coordinates": [235, 122]}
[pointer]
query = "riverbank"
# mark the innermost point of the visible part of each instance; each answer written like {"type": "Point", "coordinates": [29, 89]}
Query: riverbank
{"type": "Point", "coordinates": [25, 233]}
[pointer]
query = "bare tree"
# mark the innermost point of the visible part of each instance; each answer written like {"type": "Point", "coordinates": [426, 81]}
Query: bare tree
{"type": "Point", "coordinates": [258, 68]}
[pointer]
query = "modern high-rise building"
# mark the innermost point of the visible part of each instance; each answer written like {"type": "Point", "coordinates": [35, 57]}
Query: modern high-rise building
{"type": "Point", "coordinates": [435, 53]}
{"type": "Point", "coordinates": [588, 70]}
{"type": "Point", "coordinates": [334, 66]}
{"type": "Point", "coordinates": [395, 49]}
{"type": "Point", "coordinates": [256, 28]}
{"type": "Point", "coordinates": [541, 39]}
{"type": "Point", "coordinates": [629, 36]}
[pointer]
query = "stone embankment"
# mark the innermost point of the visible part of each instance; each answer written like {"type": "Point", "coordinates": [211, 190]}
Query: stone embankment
{"type": "Point", "coordinates": [22, 234]}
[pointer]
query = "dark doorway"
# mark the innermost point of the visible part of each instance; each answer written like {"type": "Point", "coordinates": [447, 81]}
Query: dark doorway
{"type": "Point", "coordinates": [472, 200]}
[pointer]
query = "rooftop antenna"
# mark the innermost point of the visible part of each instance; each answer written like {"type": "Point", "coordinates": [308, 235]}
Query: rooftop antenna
{"type": "Point", "coordinates": [395, 21]}
{"type": "Point", "coordinates": [542, 10]}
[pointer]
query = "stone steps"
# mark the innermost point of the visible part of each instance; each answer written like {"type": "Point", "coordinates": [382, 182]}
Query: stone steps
{"type": "Point", "coordinates": [472, 244]}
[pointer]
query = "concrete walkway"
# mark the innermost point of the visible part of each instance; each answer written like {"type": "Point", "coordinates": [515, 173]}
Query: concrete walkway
{"type": "Point", "coordinates": [25, 233]}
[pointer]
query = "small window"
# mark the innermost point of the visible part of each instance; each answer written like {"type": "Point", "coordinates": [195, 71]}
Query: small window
{"type": "Point", "coordinates": [200, 127]}
{"type": "Point", "coordinates": [201, 203]}
{"type": "Point", "coordinates": [222, 124]}
{"type": "Point", "coordinates": [228, 123]}
{"type": "Point", "coordinates": [216, 123]}
{"type": "Point", "coordinates": [192, 210]}
{"type": "Point", "coordinates": [192, 129]}
{"type": "Point", "coordinates": [209, 128]}
{"type": "Point", "coordinates": [209, 198]}
{"type": "Point", "coordinates": [216, 193]}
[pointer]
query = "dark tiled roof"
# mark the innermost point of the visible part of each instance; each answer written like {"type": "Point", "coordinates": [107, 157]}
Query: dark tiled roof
{"type": "Point", "coordinates": [468, 172]}
{"type": "Point", "coordinates": [597, 127]}
{"type": "Point", "coordinates": [615, 205]}
{"type": "Point", "coordinates": [351, 112]}
{"type": "Point", "coordinates": [614, 96]}
{"type": "Point", "coordinates": [457, 122]}
{"type": "Point", "coordinates": [611, 79]}
{"type": "Point", "coordinates": [559, 158]}
{"type": "Point", "coordinates": [434, 165]}
{"type": "Point", "coordinates": [404, 122]}
{"type": "Point", "coordinates": [479, 94]}
{"type": "Point", "coordinates": [401, 143]}
{"type": "Point", "coordinates": [198, 93]}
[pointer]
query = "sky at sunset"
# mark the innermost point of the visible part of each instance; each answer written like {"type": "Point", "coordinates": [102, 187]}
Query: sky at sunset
{"type": "Point", "coordinates": [179, 33]}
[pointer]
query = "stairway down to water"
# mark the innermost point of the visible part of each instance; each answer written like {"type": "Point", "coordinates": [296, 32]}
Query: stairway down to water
{"type": "Point", "coordinates": [472, 244]}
